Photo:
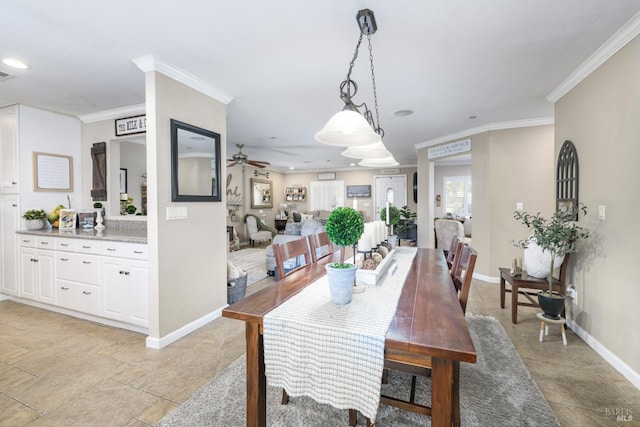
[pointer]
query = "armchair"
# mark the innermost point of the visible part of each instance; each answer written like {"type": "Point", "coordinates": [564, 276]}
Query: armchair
{"type": "Point", "coordinates": [256, 235]}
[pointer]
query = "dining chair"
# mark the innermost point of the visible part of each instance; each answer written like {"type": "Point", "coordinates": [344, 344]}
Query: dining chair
{"type": "Point", "coordinates": [317, 243]}
{"type": "Point", "coordinates": [292, 249]}
{"type": "Point", "coordinates": [400, 361]}
{"type": "Point", "coordinates": [453, 251]}
{"type": "Point", "coordinates": [445, 230]}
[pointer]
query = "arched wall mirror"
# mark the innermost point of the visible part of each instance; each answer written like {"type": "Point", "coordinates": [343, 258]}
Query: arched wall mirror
{"type": "Point", "coordinates": [195, 163]}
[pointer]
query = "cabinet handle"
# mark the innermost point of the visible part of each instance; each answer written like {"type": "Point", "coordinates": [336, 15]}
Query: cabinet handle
{"type": "Point", "coordinates": [14, 183]}
{"type": "Point", "coordinates": [14, 205]}
{"type": "Point", "coordinates": [64, 244]}
{"type": "Point", "coordinates": [44, 243]}
{"type": "Point", "coordinates": [110, 249]}
{"type": "Point", "coordinates": [86, 247]}
{"type": "Point", "coordinates": [138, 252]}
{"type": "Point", "coordinates": [26, 241]}
{"type": "Point", "coordinates": [86, 262]}
{"type": "Point", "coordinates": [126, 273]}
{"type": "Point", "coordinates": [64, 259]}
{"type": "Point", "coordinates": [63, 288]}
{"type": "Point", "coordinates": [121, 271]}
{"type": "Point", "coordinates": [86, 292]}
{"type": "Point", "coordinates": [34, 259]}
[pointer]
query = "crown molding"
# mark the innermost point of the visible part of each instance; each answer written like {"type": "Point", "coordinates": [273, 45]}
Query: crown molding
{"type": "Point", "coordinates": [116, 113]}
{"type": "Point", "coordinates": [616, 42]}
{"type": "Point", "coordinates": [151, 62]}
{"type": "Point", "coordinates": [513, 124]}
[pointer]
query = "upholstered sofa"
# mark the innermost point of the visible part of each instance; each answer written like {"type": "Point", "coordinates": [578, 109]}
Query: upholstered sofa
{"type": "Point", "coordinates": [292, 231]}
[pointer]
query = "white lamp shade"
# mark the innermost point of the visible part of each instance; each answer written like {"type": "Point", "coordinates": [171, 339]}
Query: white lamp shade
{"type": "Point", "coordinates": [347, 128]}
{"type": "Point", "coordinates": [376, 163]}
{"type": "Point", "coordinates": [376, 150]}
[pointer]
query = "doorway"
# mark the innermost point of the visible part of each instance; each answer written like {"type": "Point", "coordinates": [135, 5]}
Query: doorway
{"type": "Point", "coordinates": [389, 187]}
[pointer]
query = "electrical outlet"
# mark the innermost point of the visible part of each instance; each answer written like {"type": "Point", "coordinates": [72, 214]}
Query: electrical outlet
{"type": "Point", "coordinates": [573, 293]}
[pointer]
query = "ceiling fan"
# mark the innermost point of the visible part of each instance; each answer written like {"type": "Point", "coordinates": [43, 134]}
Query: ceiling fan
{"type": "Point", "coordinates": [241, 159]}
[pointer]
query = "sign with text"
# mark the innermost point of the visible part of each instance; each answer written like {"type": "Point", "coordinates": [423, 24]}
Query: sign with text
{"type": "Point", "coordinates": [131, 125]}
{"type": "Point", "coordinates": [449, 149]}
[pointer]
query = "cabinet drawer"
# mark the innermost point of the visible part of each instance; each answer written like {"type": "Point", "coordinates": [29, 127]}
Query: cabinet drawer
{"type": "Point", "coordinates": [124, 250]}
{"type": "Point", "coordinates": [64, 244]}
{"type": "Point", "coordinates": [78, 296]}
{"type": "Point", "coordinates": [27, 241]}
{"type": "Point", "coordinates": [45, 242]}
{"type": "Point", "coordinates": [78, 267]}
{"type": "Point", "coordinates": [88, 246]}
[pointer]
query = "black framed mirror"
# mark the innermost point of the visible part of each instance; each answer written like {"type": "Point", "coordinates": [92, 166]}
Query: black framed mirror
{"type": "Point", "coordinates": [195, 164]}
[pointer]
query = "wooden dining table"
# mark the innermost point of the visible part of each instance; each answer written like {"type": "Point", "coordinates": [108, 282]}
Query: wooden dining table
{"type": "Point", "coordinates": [428, 322]}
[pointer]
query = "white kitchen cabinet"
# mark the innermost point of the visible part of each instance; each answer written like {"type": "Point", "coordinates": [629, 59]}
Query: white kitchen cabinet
{"type": "Point", "coordinates": [125, 290]}
{"type": "Point", "coordinates": [37, 274]}
{"type": "Point", "coordinates": [9, 223]}
{"type": "Point", "coordinates": [9, 150]}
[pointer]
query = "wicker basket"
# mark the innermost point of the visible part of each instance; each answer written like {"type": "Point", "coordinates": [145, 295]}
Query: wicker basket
{"type": "Point", "coordinates": [237, 288]}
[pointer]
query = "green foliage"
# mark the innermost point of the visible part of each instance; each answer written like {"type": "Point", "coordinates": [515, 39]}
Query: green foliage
{"type": "Point", "coordinates": [407, 219]}
{"type": "Point", "coordinates": [97, 205]}
{"type": "Point", "coordinates": [35, 214]}
{"type": "Point", "coordinates": [131, 209]}
{"type": "Point", "coordinates": [344, 228]}
{"type": "Point", "coordinates": [557, 234]}
{"type": "Point", "coordinates": [394, 215]}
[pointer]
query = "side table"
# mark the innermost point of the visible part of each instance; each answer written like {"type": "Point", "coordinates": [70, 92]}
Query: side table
{"type": "Point", "coordinates": [281, 224]}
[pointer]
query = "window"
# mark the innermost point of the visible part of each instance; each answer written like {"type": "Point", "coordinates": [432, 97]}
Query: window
{"type": "Point", "coordinates": [457, 195]}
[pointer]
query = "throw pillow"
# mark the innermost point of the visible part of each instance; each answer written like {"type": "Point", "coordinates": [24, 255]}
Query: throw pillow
{"type": "Point", "coordinates": [232, 271]}
{"type": "Point", "coordinates": [297, 217]}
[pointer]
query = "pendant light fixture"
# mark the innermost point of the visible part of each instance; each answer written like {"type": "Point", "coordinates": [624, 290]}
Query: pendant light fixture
{"type": "Point", "coordinates": [379, 163]}
{"type": "Point", "coordinates": [377, 150]}
{"type": "Point", "coordinates": [350, 127]}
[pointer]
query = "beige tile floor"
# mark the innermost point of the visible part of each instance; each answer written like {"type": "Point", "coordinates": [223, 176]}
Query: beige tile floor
{"type": "Point", "coordinates": [56, 370]}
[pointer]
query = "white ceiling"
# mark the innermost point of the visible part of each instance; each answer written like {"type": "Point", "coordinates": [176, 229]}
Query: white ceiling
{"type": "Point", "coordinates": [282, 62]}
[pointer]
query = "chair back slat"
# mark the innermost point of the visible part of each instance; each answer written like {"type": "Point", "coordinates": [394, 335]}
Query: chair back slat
{"type": "Point", "coordinates": [318, 241]}
{"type": "Point", "coordinates": [293, 249]}
{"type": "Point", "coordinates": [463, 274]}
{"type": "Point", "coordinates": [453, 251]}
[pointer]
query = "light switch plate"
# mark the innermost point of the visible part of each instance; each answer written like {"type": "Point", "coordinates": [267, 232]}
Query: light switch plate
{"type": "Point", "coordinates": [519, 206]}
{"type": "Point", "coordinates": [602, 212]}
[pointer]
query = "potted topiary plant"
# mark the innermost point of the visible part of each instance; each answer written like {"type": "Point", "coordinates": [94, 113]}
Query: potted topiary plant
{"type": "Point", "coordinates": [344, 228]}
{"type": "Point", "coordinates": [556, 237]}
{"type": "Point", "coordinates": [34, 219]}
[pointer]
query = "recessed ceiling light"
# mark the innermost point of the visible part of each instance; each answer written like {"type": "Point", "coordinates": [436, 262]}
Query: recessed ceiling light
{"type": "Point", "coordinates": [403, 113]}
{"type": "Point", "coordinates": [15, 63]}
{"type": "Point", "coordinates": [352, 164]}
{"type": "Point", "coordinates": [473, 117]}
{"type": "Point", "coordinates": [291, 168]}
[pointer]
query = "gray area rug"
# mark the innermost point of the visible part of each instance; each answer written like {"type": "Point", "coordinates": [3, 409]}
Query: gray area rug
{"type": "Point", "coordinates": [496, 391]}
{"type": "Point", "coordinates": [252, 260]}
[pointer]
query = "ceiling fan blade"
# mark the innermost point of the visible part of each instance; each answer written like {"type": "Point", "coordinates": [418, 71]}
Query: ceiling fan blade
{"type": "Point", "coordinates": [257, 164]}
{"type": "Point", "coordinates": [230, 165]}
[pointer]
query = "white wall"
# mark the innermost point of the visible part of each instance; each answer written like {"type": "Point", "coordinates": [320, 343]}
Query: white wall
{"type": "Point", "coordinates": [47, 132]}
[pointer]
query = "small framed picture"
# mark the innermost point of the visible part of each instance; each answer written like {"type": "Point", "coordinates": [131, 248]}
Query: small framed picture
{"type": "Point", "coordinates": [86, 220]}
{"type": "Point", "coordinates": [67, 219]}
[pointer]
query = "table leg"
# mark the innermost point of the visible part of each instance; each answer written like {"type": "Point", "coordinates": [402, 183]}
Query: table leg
{"type": "Point", "coordinates": [502, 291]}
{"type": "Point", "coordinates": [441, 391]}
{"type": "Point", "coordinates": [514, 303]}
{"type": "Point", "coordinates": [256, 380]}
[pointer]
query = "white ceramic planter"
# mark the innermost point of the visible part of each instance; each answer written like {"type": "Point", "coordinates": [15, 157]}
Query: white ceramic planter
{"type": "Point", "coordinates": [341, 283]}
{"type": "Point", "coordinates": [34, 224]}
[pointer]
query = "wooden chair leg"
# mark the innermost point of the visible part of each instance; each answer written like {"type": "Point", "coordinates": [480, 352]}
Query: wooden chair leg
{"type": "Point", "coordinates": [369, 423]}
{"type": "Point", "coordinates": [385, 376]}
{"type": "Point", "coordinates": [412, 396]}
{"type": "Point", "coordinates": [353, 417]}
{"type": "Point", "coordinates": [285, 397]}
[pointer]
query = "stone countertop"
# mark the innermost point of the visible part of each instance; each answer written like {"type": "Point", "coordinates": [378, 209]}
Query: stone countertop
{"type": "Point", "coordinates": [130, 235]}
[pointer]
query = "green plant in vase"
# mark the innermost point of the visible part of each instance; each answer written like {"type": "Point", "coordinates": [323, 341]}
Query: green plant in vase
{"type": "Point", "coordinates": [344, 228]}
{"type": "Point", "coordinates": [34, 218]}
{"type": "Point", "coordinates": [556, 235]}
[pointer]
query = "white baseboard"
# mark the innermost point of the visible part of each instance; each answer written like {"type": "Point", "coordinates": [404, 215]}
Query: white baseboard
{"type": "Point", "coordinates": [158, 343]}
{"type": "Point", "coordinates": [3, 297]}
{"type": "Point", "coordinates": [615, 361]}
{"type": "Point", "coordinates": [488, 279]}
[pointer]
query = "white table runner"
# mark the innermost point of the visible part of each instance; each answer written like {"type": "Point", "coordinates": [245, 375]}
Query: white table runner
{"type": "Point", "coordinates": [331, 353]}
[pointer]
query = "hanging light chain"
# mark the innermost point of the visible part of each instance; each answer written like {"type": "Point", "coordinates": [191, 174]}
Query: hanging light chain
{"type": "Point", "coordinates": [378, 129]}
{"type": "Point", "coordinates": [348, 83]}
